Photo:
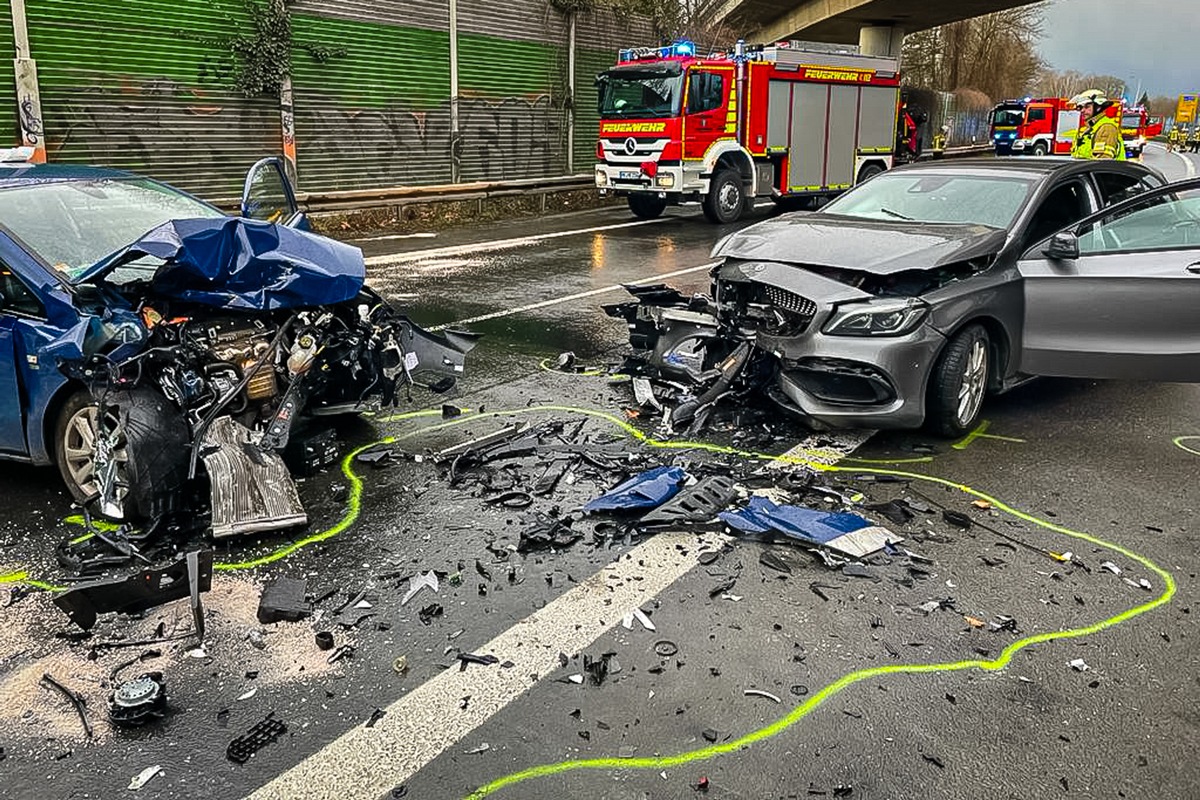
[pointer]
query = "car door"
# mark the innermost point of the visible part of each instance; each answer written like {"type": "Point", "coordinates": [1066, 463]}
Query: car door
{"type": "Point", "coordinates": [709, 113]}
{"type": "Point", "coordinates": [16, 302]}
{"type": "Point", "coordinates": [267, 195]}
{"type": "Point", "coordinates": [1116, 296]}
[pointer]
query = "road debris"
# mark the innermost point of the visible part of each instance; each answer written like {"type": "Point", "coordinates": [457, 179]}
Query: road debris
{"type": "Point", "coordinates": [427, 580]}
{"type": "Point", "coordinates": [640, 616]}
{"type": "Point", "coordinates": [1111, 567]}
{"type": "Point", "coordinates": [376, 715]}
{"type": "Point", "coordinates": [648, 490]}
{"type": "Point", "coordinates": [262, 734]}
{"type": "Point", "coordinates": [138, 701]}
{"type": "Point", "coordinates": [324, 640]}
{"type": "Point", "coordinates": [149, 588]}
{"type": "Point", "coordinates": [760, 693]}
{"type": "Point", "coordinates": [75, 698]}
{"type": "Point", "coordinates": [144, 777]}
{"type": "Point", "coordinates": [483, 748]}
{"type": "Point", "coordinates": [848, 534]}
{"type": "Point", "coordinates": [283, 599]}
{"type": "Point", "coordinates": [665, 648]}
{"type": "Point", "coordinates": [1079, 665]}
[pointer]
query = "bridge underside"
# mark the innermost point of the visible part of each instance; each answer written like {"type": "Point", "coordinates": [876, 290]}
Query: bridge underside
{"type": "Point", "coordinates": [841, 20]}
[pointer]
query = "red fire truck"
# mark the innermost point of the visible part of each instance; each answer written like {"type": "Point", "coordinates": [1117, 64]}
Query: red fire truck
{"type": "Point", "coordinates": [1137, 128]}
{"type": "Point", "coordinates": [1048, 127]}
{"type": "Point", "coordinates": [786, 121]}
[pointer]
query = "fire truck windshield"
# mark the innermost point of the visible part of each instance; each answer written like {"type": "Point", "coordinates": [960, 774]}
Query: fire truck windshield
{"type": "Point", "coordinates": [1010, 117]}
{"type": "Point", "coordinates": [628, 92]}
{"type": "Point", "coordinates": [1131, 121]}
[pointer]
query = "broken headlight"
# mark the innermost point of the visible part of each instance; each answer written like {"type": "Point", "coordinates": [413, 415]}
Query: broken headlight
{"type": "Point", "coordinates": [880, 317]}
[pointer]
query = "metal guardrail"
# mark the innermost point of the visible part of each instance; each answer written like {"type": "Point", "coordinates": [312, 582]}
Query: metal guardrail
{"type": "Point", "coordinates": [362, 199]}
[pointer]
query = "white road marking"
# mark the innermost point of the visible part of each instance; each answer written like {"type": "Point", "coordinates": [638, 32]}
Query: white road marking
{"type": "Point", "coordinates": [499, 244]}
{"type": "Point", "coordinates": [573, 297]}
{"type": "Point", "coordinates": [390, 236]}
{"type": "Point", "coordinates": [417, 728]}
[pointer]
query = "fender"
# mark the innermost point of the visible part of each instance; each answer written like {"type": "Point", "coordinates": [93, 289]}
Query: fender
{"type": "Point", "coordinates": [725, 146]}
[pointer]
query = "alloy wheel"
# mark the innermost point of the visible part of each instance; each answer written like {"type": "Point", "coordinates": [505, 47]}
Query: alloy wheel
{"type": "Point", "coordinates": [974, 382]}
{"type": "Point", "coordinates": [80, 448]}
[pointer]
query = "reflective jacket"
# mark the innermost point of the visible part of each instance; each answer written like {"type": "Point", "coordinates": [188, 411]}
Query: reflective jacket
{"type": "Point", "coordinates": [1100, 138]}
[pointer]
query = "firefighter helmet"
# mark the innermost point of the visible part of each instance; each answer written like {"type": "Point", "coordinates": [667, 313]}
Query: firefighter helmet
{"type": "Point", "coordinates": [1089, 96]}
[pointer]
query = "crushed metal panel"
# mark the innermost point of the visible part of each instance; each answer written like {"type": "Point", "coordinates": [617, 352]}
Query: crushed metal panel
{"type": "Point", "coordinates": [252, 490]}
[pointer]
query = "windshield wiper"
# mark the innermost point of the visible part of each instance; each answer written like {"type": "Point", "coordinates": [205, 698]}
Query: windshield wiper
{"type": "Point", "coordinates": [896, 214]}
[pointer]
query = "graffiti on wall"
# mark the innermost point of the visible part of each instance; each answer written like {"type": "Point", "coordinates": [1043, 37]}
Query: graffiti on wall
{"type": "Point", "coordinates": [340, 148]}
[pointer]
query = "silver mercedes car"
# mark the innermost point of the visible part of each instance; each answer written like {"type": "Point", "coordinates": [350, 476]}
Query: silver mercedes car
{"type": "Point", "coordinates": [906, 300]}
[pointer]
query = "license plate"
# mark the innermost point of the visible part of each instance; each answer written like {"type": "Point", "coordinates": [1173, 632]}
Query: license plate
{"type": "Point", "coordinates": [626, 175]}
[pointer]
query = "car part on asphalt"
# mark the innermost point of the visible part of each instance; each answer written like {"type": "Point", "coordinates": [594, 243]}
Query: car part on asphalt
{"type": "Point", "coordinates": [75, 698]}
{"type": "Point", "coordinates": [138, 701]}
{"type": "Point", "coordinates": [189, 576]}
{"type": "Point", "coordinates": [543, 531]}
{"type": "Point", "coordinates": [648, 490]}
{"type": "Point", "coordinates": [252, 491]}
{"type": "Point", "coordinates": [845, 533]}
{"type": "Point", "coordinates": [760, 693]}
{"type": "Point", "coordinates": [144, 777]}
{"type": "Point", "coordinates": [700, 502]}
{"type": "Point", "coordinates": [324, 640]}
{"type": "Point", "coordinates": [284, 600]}
{"type": "Point", "coordinates": [262, 734]}
{"type": "Point", "coordinates": [427, 580]}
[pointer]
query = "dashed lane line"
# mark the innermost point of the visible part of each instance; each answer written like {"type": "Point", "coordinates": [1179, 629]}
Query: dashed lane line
{"type": "Point", "coordinates": [570, 298]}
{"type": "Point", "coordinates": [498, 244]}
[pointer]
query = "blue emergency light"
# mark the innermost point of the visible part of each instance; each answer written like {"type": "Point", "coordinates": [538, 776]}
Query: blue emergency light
{"type": "Point", "coordinates": [679, 49]}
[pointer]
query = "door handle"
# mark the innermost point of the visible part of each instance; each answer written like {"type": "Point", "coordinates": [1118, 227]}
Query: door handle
{"type": "Point", "coordinates": [1194, 268]}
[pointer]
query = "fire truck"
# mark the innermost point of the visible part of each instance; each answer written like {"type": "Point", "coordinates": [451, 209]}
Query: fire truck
{"type": "Point", "coordinates": [1004, 121]}
{"type": "Point", "coordinates": [1137, 128]}
{"type": "Point", "coordinates": [1048, 127]}
{"type": "Point", "coordinates": [791, 120]}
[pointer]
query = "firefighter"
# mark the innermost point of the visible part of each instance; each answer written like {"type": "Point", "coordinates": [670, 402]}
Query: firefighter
{"type": "Point", "coordinates": [1173, 139]}
{"type": "Point", "coordinates": [1099, 134]}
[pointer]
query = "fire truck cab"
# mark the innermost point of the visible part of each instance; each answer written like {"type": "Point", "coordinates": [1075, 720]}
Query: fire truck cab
{"type": "Point", "coordinates": [787, 121]}
{"type": "Point", "coordinates": [1137, 128]}
{"type": "Point", "coordinates": [1048, 127]}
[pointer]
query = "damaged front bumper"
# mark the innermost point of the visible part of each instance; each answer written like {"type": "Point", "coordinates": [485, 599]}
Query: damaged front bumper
{"type": "Point", "coordinates": [828, 380]}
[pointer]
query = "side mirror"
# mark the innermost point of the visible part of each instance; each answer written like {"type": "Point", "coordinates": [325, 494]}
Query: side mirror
{"type": "Point", "coordinates": [1063, 246]}
{"type": "Point", "coordinates": [267, 194]}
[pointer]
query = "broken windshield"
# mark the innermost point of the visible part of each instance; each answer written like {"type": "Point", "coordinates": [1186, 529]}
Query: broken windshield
{"type": "Point", "coordinates": [71, 225]}
{"type": "Point", "coordinates": [644, 92]}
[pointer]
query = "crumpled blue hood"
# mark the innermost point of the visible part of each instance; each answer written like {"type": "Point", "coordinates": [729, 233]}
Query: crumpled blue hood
{"type": "Point", "coordinates": [237, 263]}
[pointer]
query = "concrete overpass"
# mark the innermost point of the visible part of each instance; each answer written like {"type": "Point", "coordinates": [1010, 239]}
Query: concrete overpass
{"type": "Point", "coordinates": [878, 26]}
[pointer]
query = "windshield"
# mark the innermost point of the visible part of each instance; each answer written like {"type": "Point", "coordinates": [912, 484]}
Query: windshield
{"type": "Point", "coordinates": [640, 93]}
{"type": "Point", "coordinates": [73, 224]}
{"type": "Point", "coordinates": [920, 196]}
{"type": "Point", "coordinates": [1010, 117]}
{"type": "Point", "coordinates": [1131, 121]}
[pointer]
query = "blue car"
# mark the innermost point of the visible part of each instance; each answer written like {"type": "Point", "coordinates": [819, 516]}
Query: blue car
{"type": "Point", "coordinates": [155, 349]}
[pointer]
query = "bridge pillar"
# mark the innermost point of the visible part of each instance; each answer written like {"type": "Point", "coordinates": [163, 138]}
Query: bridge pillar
{"type": "Point", "coordinates": [880, 40]}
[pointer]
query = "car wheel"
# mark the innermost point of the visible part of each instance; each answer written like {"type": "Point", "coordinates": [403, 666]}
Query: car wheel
{"type": "Point", "coordinates": [869, 171]}
{"type": "Point", "coordinates": [647, 206]}
{"type": "Point", "coordinates": [959, 382]}
{"type": "Point", "coordinates": [726, 198]}
{"type": "Point", "coordinates": [1041, 149]}
{"type": "Point", "coordinates": [149, 447]}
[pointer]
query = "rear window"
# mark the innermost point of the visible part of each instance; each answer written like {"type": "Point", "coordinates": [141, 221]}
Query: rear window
{"type": "Point", "coordinates": [921, 196]}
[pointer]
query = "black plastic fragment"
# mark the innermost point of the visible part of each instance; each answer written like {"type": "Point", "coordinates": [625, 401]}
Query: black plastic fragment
{"type": "Point", "coordinates": [376, 715]}
{"type": "Point", "coordinates": [137, 593]}
{"type": "Point", "coordinates": [324, 640]}
{"type": "Point", "coordinates": [894, 511]}
{"type": "Point", "coordinates": [957, 518]}
{"type": "Point", "coordinates": [284, 599]}
{"type": "Point", "coordinates": [699, 503]}
{"type": "Point", "coordinates": [544, 531]}
{"type": "Point", "coordinates": [138, 701]}
{"type": "Point", "coordinates": [262, 734]}
{"type": "Point", "coordinates": [771, 560]}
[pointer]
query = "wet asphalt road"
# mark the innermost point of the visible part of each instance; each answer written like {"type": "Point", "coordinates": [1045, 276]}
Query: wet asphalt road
{"type": "Point", "coordinates": [1092, 457]}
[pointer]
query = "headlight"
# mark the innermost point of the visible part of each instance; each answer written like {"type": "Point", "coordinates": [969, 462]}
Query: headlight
{"type": "Point", "coordinates": [601, 178]}
{"type": "Point", "coordinates": [886, 317]}
{"type": "Point", "coordinates": [666, 180]}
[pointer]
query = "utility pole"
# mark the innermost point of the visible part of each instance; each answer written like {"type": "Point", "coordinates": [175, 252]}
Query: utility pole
{"type": "Point", "coordinates": [29, 101]}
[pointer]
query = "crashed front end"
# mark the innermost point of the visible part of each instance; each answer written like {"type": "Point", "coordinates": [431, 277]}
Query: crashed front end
{"type": "Point", "coordinates": [224, 356]}
{"type": "Point", "coordinates": [838, 348]}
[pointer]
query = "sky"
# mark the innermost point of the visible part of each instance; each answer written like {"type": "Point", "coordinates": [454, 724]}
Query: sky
{"type": "Point", "coordinates": [1156, 42]}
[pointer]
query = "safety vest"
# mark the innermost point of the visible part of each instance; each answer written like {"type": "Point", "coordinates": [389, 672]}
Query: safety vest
{"type": "Point", "coordinates": [1087, 135]}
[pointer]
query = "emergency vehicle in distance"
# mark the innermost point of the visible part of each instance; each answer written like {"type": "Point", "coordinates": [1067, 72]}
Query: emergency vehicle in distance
{"type": "Point", "coordinates": [1047, 127]}
{"type": "Point", "coordinates": [1004, 121]}
{"type": "Point", "coordinates": [1137, 128]}
{"type": "Point", "coordinates": [791, 120]}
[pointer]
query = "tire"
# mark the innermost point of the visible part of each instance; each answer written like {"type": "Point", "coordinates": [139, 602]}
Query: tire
{"type": "Point", "coordinates": [647, 206]}
{"type": "Point", "coordinates": [151, 450]}
{"type": "Point", "coordinates": [959, 383]}
{"type": "Point", "coordinates": [869, 171]}
{"type": "Point", "coordinates": [1041, 149]}
{"type": "Point", "coordinates": [726, 198]}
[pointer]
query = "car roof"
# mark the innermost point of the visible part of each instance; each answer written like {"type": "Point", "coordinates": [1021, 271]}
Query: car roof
{"type": "Point", "coordinates": [21, 174]}
{"type": "Point", "coordinates": [1025, 166]}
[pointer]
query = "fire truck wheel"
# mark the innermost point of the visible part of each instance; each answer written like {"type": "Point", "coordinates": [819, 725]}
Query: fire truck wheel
{"type": "Point", "coordinates": [869, 171]}
{"type": "Point", "coordinates": [726, 198]}
{"type": "Point", "coordinates": [1040, 149]}
{"type": "Point", "coordinates": [647, 206]}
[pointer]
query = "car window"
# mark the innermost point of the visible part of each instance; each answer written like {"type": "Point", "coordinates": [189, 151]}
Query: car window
{"type": "Point", "coordinates": [1037, 114]}
{"type": "Point", "coordinates": [1065, 204]}
{"type": "Point", "coordinates": [927, 196]}
{"type": "Point", "coordinates": [71, 225]}
{"type": "Point", "coordinates": [16, 298]}
{"type": "Point", "coordinates": [706, 92]}
{"type": "Point", "coordinates": [1163, 222]}
{"type": "Point", "coordinates": [1118, 186]}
